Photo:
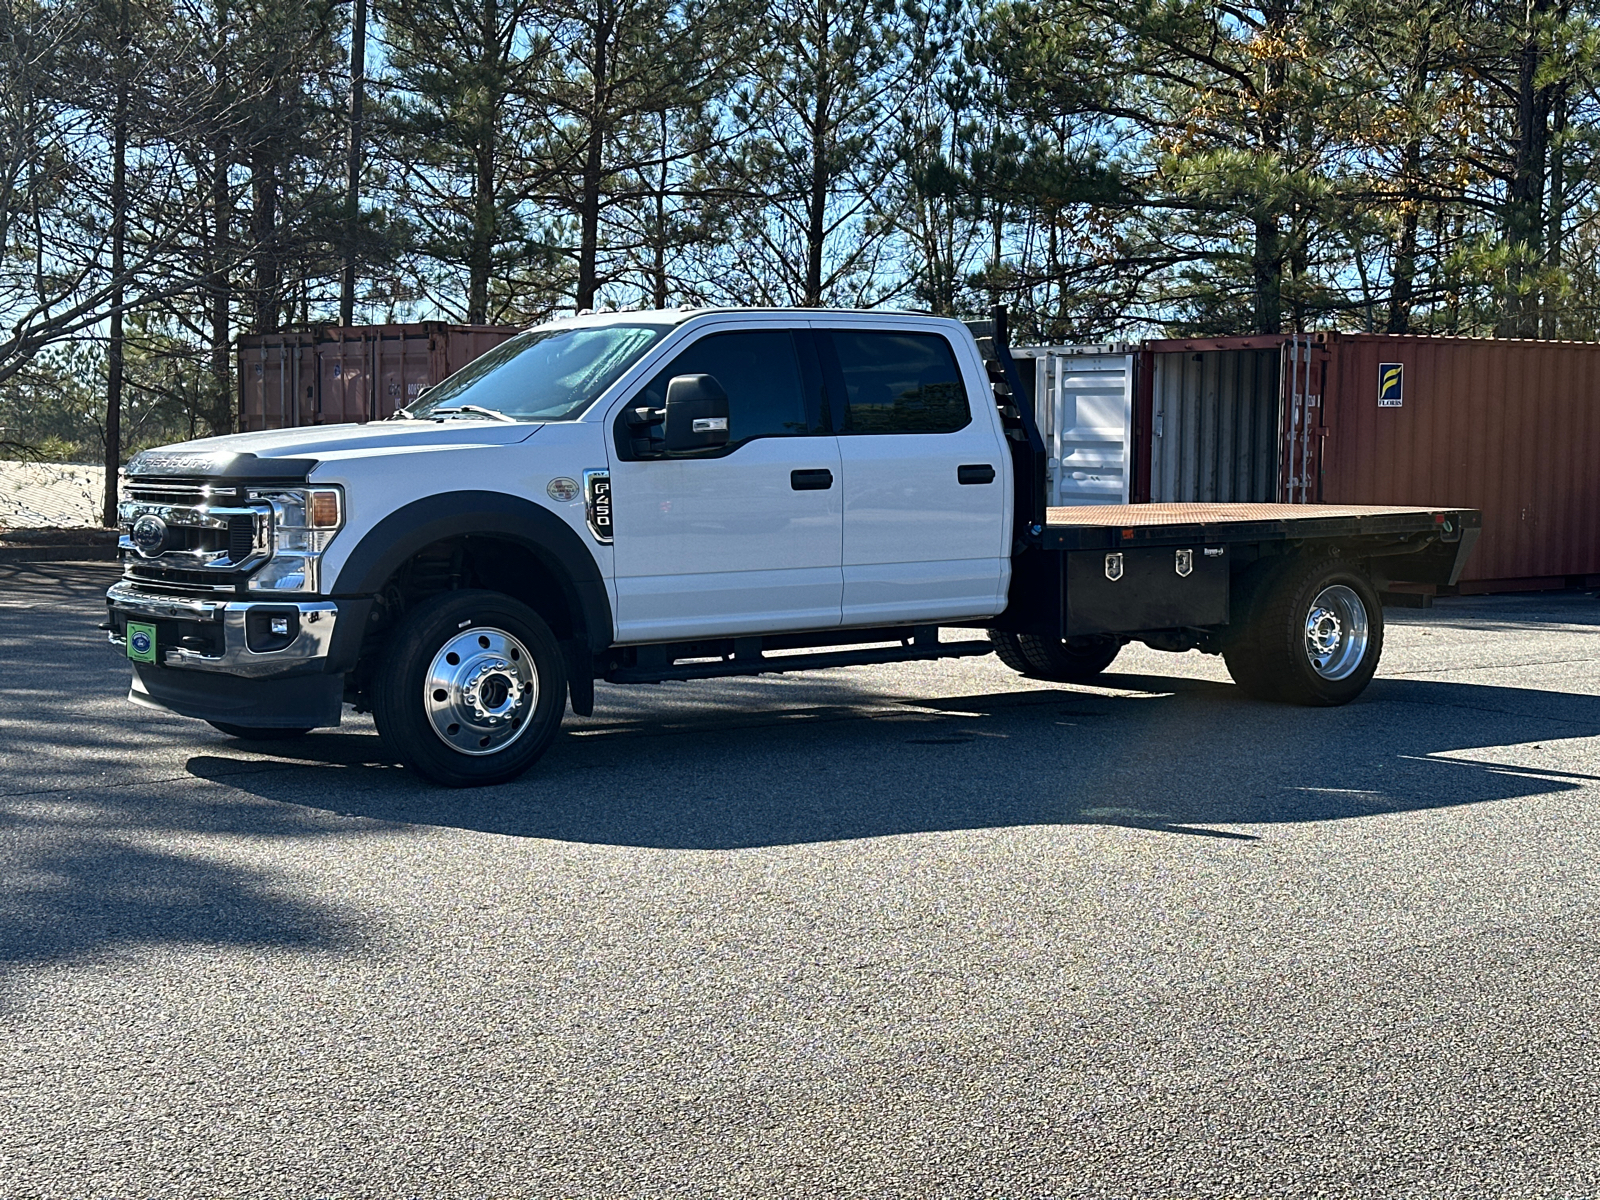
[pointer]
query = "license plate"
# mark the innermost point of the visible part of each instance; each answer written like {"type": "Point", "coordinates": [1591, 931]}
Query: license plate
{"type": "Point", "coordinates": [141, 642]}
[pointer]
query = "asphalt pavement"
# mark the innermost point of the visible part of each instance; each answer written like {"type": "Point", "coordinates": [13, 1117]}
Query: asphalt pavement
{"type": "Point", "coordinates": [929, 930]}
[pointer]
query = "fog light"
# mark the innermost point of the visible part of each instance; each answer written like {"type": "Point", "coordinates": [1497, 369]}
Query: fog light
{"type": "Point", "coordinates": [268, 632]}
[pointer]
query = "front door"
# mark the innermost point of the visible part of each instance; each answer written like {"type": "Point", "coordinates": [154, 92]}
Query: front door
{"type": "Point", "coordinates": [743, 539]}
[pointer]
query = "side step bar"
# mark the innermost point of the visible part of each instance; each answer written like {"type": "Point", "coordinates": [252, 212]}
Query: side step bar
{"type": "Point", "coordinates": [757, 663]}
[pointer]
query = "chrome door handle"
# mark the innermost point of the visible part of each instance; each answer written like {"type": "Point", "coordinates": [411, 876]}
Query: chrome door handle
{"type": "Point", "coordinates": [811, 481]}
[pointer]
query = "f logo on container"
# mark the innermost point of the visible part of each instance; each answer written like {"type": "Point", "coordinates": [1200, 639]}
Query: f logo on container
{"type": "Point", "coordinates": [1391, 385]}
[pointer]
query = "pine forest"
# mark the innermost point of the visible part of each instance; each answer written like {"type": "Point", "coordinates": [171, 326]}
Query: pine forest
{"type": "Point", "coordinates": [177, 173]}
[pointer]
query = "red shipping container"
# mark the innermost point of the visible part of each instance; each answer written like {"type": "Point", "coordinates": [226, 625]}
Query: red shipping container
{"type": "Point", "coordinates": [333, 375]}
{"type": "Point", "coordinates": [1508, 427]}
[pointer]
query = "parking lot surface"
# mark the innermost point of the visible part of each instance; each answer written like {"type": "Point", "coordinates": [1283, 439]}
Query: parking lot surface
{"type": "Point", "coordinates": [923, 930]}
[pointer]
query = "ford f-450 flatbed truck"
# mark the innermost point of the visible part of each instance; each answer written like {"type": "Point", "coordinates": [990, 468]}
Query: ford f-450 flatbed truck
{"type": "Point", "coordinates": [649, 496]}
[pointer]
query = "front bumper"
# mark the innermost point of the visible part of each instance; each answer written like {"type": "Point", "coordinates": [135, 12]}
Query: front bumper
{"type": "Point", "coordinates": [248, 638]}
{"type": "Point", "coordinates": [255, 663]}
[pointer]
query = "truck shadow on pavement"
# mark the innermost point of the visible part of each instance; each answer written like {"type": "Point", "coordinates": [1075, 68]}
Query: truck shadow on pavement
{"type": "Point", "coordinates": [1179, 755]}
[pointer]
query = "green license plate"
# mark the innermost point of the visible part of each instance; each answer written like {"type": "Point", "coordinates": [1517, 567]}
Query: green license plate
{"type": "Point", "coordinates": [141, 642]}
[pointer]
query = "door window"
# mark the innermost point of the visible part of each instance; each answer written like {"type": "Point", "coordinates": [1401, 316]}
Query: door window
{"type": "Point", "coordinates": [760, 371]}
{"type": "Point", "coordinates": [899, 382]}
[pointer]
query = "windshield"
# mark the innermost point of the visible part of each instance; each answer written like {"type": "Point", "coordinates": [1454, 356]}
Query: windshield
{"type": "Point", "coordinates": [542, 375]}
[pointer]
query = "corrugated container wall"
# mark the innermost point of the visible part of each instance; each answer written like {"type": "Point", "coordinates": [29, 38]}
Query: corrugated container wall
{"type": "Point", "coordinates": [1509, 427]}
{"type": "Point", "coordinates": [1213, 420]}
{"type": "Point", "coordinates": [332, 375]}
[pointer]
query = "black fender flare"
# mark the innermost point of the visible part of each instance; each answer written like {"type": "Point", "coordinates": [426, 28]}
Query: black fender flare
{"type": "Point", "coordinates": [551, 540]}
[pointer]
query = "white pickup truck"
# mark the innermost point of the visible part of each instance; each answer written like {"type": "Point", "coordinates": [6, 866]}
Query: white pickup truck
{"type": "Point", "coordinates": [648, 496]}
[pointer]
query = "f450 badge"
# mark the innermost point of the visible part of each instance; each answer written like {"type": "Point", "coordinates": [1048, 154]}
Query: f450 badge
{"type": "Point", "coordinates": [597, 504]}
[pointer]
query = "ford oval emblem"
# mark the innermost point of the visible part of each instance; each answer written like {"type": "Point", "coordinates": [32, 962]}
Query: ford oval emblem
{"type": "Point", "coordinates": [562, 489]}
{"type": "Point", "coordinates": [148, 535]}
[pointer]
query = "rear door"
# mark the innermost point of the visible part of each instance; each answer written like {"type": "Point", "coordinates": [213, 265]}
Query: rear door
{"type": "Point", "coordinates": [926, 501]}
{"type": "Point", "coordinates": [745, 538]}
{"type": "Point", "coordinates": [1084, 406]}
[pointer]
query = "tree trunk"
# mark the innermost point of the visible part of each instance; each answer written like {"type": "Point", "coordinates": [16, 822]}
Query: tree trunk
{"type": "Point", "coordinates": [821, 136]}
{"type": "Point", "coordinates": [217, 292]}
{"type": "Point", "coordinates": [1524, 218]}
{"type": "Point", "coordinates": [1267, 253]}
{"type": "Point", "coordinates": [594, 160]}
{"type": "Point", "coordinates": [352, 195]}
{"type": "Point", "coordinates": [480, 258]}
{"type": "Point", "coordinates": [1402, 282]}
{"type": "Point", "coordinates": [1556, 220]}
{"type": "Point", "coordinates": [658, 266]}
{"type": "Point", "coordinates": [1266, 263]}
{"type": "Point", "coordinates": [119, 231]}
{"type": "Point", "coordinates": [480, 255]}
{"type": "Point", "coordinates": [264, 221]}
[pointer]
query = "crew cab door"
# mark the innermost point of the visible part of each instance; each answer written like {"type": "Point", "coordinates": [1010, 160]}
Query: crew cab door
{"type": "Point", "coordinates": [744, 538]}
{"type": "Point", "coordinates": [927, 506]}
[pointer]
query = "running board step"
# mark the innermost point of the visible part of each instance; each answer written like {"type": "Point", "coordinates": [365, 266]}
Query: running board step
{"type": "Point", "coordinates": [759, 664]}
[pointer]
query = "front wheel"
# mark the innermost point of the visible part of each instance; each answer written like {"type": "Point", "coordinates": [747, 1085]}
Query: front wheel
{"type": "Point", "coordinates": [471, 689]}
{"type": "Point", "coordinates": [1313, 636]}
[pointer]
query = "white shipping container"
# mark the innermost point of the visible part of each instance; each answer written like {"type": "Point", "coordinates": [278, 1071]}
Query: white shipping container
{"type": "Point", "coordinates": [1083, 402]}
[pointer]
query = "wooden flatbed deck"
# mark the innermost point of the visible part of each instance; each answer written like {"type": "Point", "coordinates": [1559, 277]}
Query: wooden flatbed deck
{"type": "Point", "coordinates": [1096, 526]}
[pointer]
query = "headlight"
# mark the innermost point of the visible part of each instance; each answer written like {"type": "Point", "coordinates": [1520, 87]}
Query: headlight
{"type": "Point", "coordinates": [303, 522]}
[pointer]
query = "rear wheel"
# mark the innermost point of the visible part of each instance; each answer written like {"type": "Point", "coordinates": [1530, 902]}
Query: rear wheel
{"type": "Point", "coordinates": [1313, 634]}
{"type": "Point", "coordinates": [471, 689]}
{"type": "Point", "coordinates": [257, 734]}
{"type": "Point", "coordinates": [1051, 658]}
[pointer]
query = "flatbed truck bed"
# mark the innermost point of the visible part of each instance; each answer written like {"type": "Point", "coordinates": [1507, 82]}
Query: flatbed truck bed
{"type": "Point", "coordinates": [1093, 526]}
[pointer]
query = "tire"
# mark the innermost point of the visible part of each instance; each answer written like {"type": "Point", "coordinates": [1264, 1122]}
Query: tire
{"type": "Point", "coordinates": [1312, 634]}
{"type": "Point", "coordinates": [1051, 658]}
{"type": "Point", "coordinates": [488, 715]}
{"type": "Point", "coordinates": [259, 733]}
{"type": "Point", "coordinates": [1008, 652]}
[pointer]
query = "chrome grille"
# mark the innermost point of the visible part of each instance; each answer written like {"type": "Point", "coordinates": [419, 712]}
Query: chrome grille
{"type": "Point", "coordinates": [188, 492]}
{"type": "Point", "coordinates": [213, 534]}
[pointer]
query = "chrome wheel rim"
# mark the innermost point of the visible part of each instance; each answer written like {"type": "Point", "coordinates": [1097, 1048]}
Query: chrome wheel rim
{"type": "Point", "coordinates": [1337, 632]}
{"type": "Point", "coordinates": [480, 691]}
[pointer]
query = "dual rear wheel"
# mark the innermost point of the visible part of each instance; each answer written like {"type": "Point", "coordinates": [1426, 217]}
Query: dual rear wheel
{"type": "Point", "coordinates": [1303, 631]}
{"type": "Point", "coordinates": [1309, 631]}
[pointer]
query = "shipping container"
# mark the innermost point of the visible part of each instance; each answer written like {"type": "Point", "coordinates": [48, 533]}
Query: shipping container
{"type": "Point", "coordinates": [1083, 402]}
{"type": "Point", "coordinates": [1213, 418]}
{"type": "Point", "coordinates": [332, 375]}
{"type": "Point", "coordinates": [1507, 427]}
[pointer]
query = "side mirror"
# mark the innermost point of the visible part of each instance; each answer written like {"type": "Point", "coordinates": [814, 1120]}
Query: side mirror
{"type": "Point", "coordinates": [697, 414]}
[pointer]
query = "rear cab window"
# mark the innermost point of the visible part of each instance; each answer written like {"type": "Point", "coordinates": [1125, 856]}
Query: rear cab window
{"type": "Point", "coordinates": [893, 382]}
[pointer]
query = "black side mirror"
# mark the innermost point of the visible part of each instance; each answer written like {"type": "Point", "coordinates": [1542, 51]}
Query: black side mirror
{"type": "Point", "coordinates": [697, 413]}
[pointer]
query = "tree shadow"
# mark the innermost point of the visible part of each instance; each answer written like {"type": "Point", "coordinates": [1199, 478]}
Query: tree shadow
{"type": "Point", "coordinates": [1179, 755]}
{"type": "Point", "coordinates": [76, 895]}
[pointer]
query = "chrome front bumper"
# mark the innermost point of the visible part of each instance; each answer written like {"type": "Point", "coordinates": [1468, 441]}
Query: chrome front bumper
{"type": "Point", "coordinates": [235, 625]}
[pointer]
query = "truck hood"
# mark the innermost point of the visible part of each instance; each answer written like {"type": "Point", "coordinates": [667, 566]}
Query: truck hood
{"type": "Point", "coordinates": [280, 453]}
